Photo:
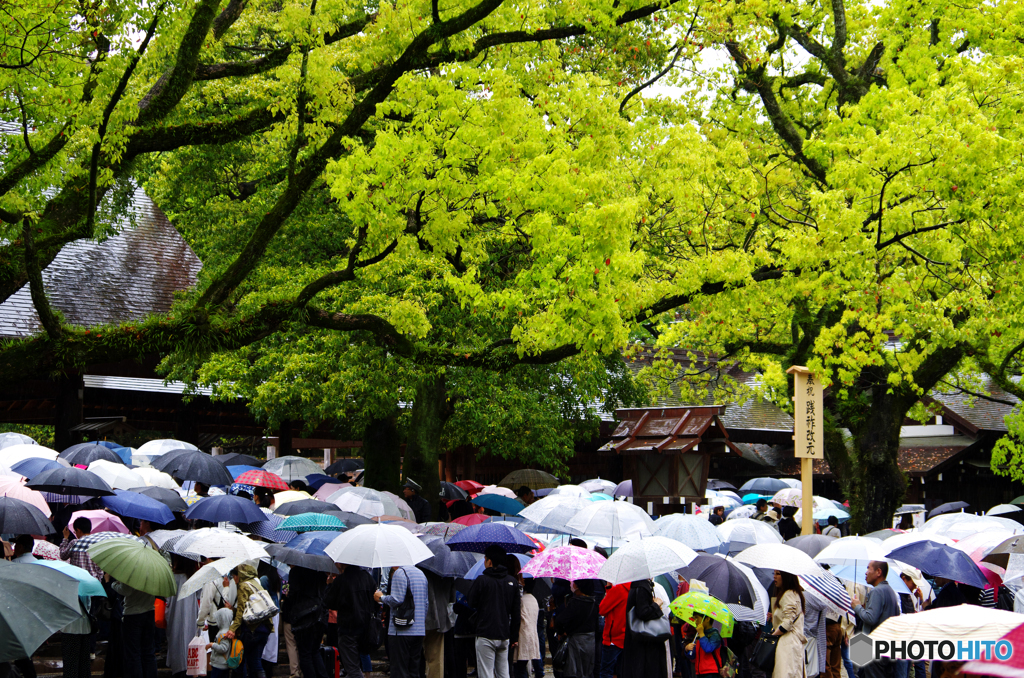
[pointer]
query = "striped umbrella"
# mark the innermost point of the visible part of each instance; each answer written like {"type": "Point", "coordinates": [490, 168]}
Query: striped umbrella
{"type": "Point", "coordinates": [830, 590]}
{"type": "Point", "coordinates": [88, 540]}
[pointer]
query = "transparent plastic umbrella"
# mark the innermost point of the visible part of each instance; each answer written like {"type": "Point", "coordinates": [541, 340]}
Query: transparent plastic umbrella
{"type": "Point", "coordinates": [645, 559]}
{"type": "Point", "coordinates": [614, 519]}
{"type": "Point", "coordinates": [697, 533]}
{"type": "Point", "coordinates": [554, 512]}
{"type": "Point", "coordinates": [378, 545]}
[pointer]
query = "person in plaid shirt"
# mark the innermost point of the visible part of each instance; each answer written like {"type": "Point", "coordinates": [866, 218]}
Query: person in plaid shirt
{"type": "Point", "coordinates": [79, 557]}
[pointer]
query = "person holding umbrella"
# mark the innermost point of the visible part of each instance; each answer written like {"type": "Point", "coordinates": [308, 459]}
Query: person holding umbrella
{"type": "Point", "coordinates": [578, 623]}
{"type": "Point", "coordinates": [642, 657]}
{"type": "Point", "coordinates": [495, 598]}
{"type": "Point", "coordinates": [79, 557]}
{"type": "Point", "coordinates": [23, 546]}
{"type": "Point", "coordinates": [420, 506]}
{"type": "Point", "coordinates": [351, 595]}
{"type": "Point", "coordinates": [254, 636]}
{"type": "Point", "coordinates": [703, 650]}
{"type": "Point", "coordinates": [788, 623]}
{"type": "Point", "coordinates": [405, 643]}
{"type": "Point", "coordinates": [882, 603]}
{"type": "Point", "coordinates": [525, 496]}
{"type": "Point", "coordinates": [138, 630]}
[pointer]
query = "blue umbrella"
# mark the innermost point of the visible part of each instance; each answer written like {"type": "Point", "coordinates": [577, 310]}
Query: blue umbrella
{"type": "Point", "coordinates": [134, 505]}
{"type": "Point", "coordinates": [120, 450]}
{"type": "Point", "coordinates": [753, 497]}
{"type": "Point", "coordinates": [225, 508]}
{"type": "Point", "coordinates": [33, 466]}
{"type": "Point", "coordinates": [88, 585]}
{"type": "Point", "coordinates": [939, 560]}
{"type": "Point", "coordinates": [601, 496]}
{"type": "Point", "coordinates": [315, 480]}
{"type": "Point", "coordinates": [498, 503]}
{"type": "Point", "coordinates": [239, 470]}
{"type": "Point", "coordinates": [306, 550]}
{"type": "Point", "coordinates": [478, 568]}
{"type": "Point", "coordinates": [478, 537]}
{"type": "Point", "coordinates": [445, 562]}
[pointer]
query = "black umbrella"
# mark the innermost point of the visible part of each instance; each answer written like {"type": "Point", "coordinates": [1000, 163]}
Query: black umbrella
{"type": "Point", "coordinates": [20, 517]}
{"type": "Point", "coordinates": [294, 508]}
{"type": "Point", "coordinates": [452, 492]}
{"type": "Point", "coordinates": [71, 481]}
{"type": "Point", "coordinates": [724, 580]}
{"type": "Point", "coordinates": [344, 466]}
{"type": "Point", "coordinates": [237, 459]}
{"type": "Point", "coordinates": [951, 507]}
{"type": "Point", "coordinates": [720, 485]}
{"type": "Point", "coordinates": [763, 486]}
{"type": "Point", "coordinates": [194, 465]}
{"type": "Point", "coordinates": [168, 498]}
{"type": "Point", "coordinates": [84, 454]}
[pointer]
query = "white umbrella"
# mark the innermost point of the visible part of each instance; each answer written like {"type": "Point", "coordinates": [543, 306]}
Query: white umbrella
{"type": "Point", "coordinates": [364, 501]}
{"type": "Point", "coordinates": [961, 622]}
{"type": "Point", "coordinates": [292, 468]}
{"type": "Point", "coordinates": [156, 448]}
{"type": "Point", "coordinates": [553, 512]}
{"type": "Point", "coordinates": [215, 542]}
{"type": "Point", "coordinates": [748, 511]}
{"type": "Point", "coordinates": [401, 505]}
{"type": "Point", "coordinates": [214, 571]}
{"type": "Point", "coordinates": [904, 538]}
{"type": "Point", "coordinates": [502, 491]}
{"type": "Point", "coordinates": [11, 455]}
{"type": "Point", "coordinates": [570, 491]}
{"type": "Point", "coordinates": [10, 438]}
{"type": "Point", "coordinates": [780, 557]}
{"type": "Point", "coordinates": [615, 519]}
{"type": "Point", "coordinates": [599, 485]}
{"type": "Point", "coordinates": [697, 533]}
{"type": "Point", "coordinates": [153, 478]}
{"type": "Point", "coordinates": [960, 525]}
{"type": "Point", "coordinates": [791, 496]}
{"type": "Point", "coordinates": [645, 559]}
{"type": "Point", "coordinates": [744, 532]}
{"type": "Point", "coordinates": [852, 551]}
{"type": "Point", "coordinates": [379, 545]}
{"type": "Point", "coordinates": [118, 476]}
{"type": "Point", "coordinates": [793, 482]}
{"type": "Point", "coordinates": [1002, 509]}
{"type": "Point", "coordinates": [978, 545]}
{"type": "Point", "coordinates": [161, 537]}
{"type": "Point", "coordinates": [721, 499]}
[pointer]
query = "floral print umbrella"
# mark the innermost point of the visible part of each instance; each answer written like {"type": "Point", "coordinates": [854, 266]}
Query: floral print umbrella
{"type": "Point", "coordinates": [566, 562]}
{"type": "Point", "coordinates": [698, 602]}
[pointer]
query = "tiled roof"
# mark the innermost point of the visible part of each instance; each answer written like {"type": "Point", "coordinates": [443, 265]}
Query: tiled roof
{"type": "Point", "coordinates": [765, 455]}
{"type": "Point", "coordinates": [980, 413]}
{"type": "Point", "coordinates": [128, 276]}
{"type": "Point", "coordinates": [916, 455]}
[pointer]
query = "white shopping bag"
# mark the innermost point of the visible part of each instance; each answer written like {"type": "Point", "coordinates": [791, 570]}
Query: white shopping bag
{"type": "Point", "coordinates": [195, 660]}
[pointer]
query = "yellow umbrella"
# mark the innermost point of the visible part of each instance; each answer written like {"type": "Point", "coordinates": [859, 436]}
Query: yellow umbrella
{"type": "Point", "coordinates": [282, 498]}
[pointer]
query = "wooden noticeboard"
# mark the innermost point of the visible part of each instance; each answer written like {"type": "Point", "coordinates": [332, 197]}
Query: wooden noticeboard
{"type": "Point", "coordinates": [808, 432]}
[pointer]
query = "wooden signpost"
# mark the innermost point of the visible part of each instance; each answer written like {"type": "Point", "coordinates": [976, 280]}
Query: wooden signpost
{"type": "Point", "coordinates": [808, 436]}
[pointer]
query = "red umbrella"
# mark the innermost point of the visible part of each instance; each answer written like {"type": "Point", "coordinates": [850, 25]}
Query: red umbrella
{"type": "Point", "coordinates": [471, 519]}
{"type": "Point", "coordinates": [1013, 667]}
{"type": "Point", "coordinates": [471, 486]}
{"type": "Point", "coordinates": [261, 478]}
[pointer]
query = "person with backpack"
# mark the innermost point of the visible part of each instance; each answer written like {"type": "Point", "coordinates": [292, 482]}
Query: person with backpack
{"type": "Point", "coordinates": [351, 595]}
{"type": "Point", "coordinates": [408, 602]}
{"type": "Point", "coordinates": [251, 621]}
{"type": "Point", "coordinates": [222, 659]}
{"type": "Point", "coordinates": [705, 649]}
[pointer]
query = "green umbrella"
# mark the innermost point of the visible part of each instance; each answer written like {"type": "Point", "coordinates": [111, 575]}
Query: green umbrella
{"type": "Point", "coordinates": [35, 603]}
{"type": "Point", "coordinates": [1018, 500]}
{"type": "Point", "coordinates": [531, 478]}
{"type": "Point", "coordinates": [697, 601]}
{"type": "Point", "coordinates": [134, 564]}
{"type": "Point", "coordinates": [311, 522]}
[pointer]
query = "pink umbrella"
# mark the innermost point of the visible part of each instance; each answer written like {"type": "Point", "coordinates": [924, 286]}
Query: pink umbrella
{"type": "Point", "coordinates": [565, 562]}
{"type": "Point", "coordinates": [327, 489]}
{"type": "Point", "coordinates": [9, 487]}
{"type": "Point", "coordinates": [45, 550]}
{"type": "Point", "coordinates": [993, 573]}
{"type": "Point", "coordinates": [1012, 667]}
{"type": "Point", "coordinates": [471, 519]}
{"type": "Point", "coordinates": [101, 521]}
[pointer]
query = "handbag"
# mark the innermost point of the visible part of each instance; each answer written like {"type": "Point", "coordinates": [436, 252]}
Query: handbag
{"type": "Point", "coordinates": [561, 657]}
{"type": "Point", "coordinates": [656, 629]}
{"type": "Point", "coordinates": [260, 606]}
{"type": "Point", "coordinates": [763, 654]}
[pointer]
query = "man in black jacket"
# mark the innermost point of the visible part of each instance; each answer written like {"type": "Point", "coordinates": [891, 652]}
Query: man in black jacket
{"type": "Point", "coordinates": [351, 594]}
{"type": "Point", "coordinates": [420, 506]}
{"type": "Point", "coordinates": [495, 598]}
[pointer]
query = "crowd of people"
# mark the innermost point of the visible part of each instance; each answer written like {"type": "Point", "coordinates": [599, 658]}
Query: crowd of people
{"type": "Point", "coordinates": [500, 623]}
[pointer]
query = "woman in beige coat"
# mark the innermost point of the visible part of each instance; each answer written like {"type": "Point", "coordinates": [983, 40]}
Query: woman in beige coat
{"type": "Point", "coordinates": [528, 647]}
{"type": "Point", "coordinates": [788, 623]}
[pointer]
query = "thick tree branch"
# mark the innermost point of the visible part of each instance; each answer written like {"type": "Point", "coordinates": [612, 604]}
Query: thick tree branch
{"type": "Point", "coordinates": [47, 318]}
{"type": "Point", "coordinates": [171, 137]}
{"type": "Point", "coordinates": [228, 16]}
{"type": "Point", "coordinates": [172, 85]}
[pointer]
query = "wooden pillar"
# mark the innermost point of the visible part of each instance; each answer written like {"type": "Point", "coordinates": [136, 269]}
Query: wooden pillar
{"type": "Point", "coordinates": [69, 410]}
{"type": "Point", "coordinates": [284, 438]}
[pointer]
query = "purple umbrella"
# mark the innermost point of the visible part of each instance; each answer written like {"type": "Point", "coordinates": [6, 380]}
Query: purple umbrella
{"type": "Point", "coordinates": [623, 489]}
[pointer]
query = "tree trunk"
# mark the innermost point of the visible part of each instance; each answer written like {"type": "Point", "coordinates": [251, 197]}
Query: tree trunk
{"type": "Point", "coordinates": [430, 411]}
{"type": "Point", "coordinates": [382, 453]}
